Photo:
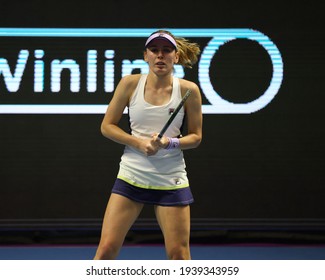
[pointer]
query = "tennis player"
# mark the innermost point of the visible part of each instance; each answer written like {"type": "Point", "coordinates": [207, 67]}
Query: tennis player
{"type": "Point", "coordinates": [152, 169]}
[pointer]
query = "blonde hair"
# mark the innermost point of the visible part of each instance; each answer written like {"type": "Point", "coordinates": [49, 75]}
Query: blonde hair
{"type": "Point", "coordinates": [188, 51]}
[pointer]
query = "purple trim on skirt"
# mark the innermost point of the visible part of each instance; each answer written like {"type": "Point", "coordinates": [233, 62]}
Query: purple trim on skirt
{"type": "Point", "coordinates": [176, 197]}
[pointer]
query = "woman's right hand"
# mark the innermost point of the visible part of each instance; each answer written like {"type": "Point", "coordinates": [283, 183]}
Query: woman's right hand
{"type": "Point", "coordinates": [148, 146]}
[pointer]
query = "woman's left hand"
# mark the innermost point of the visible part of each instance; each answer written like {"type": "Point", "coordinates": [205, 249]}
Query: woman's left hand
{"type": "Point", "coordinates": [161, 142]}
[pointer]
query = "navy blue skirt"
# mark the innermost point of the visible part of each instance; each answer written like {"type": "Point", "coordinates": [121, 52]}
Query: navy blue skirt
{"type": "Point", "coordinates": [176, 197]}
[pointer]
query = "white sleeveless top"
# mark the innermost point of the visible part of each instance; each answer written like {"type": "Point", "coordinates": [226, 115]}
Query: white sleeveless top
{"type": "Point", "coordinates": [166, 169]}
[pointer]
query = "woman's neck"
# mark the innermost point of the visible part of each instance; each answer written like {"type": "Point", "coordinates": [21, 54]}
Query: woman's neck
{"type": "Point", "coordinates": [158, 82]}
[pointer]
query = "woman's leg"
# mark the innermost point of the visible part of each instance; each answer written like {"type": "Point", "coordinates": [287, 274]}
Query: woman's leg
{"type": "Point", "coordinates": [174, 222]}
{"type": "Point", "coordinates": [120, 215]}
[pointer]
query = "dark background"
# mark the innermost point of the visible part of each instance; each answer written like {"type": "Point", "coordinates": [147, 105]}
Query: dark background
{"type": "Point", "coordinates": [256, 175]}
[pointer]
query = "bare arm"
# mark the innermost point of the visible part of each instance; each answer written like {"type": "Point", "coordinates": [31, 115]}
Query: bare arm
{"type": "Point", "coordinates": [193, 107]}
{"type": "Point", "coordinates": [109, 126]}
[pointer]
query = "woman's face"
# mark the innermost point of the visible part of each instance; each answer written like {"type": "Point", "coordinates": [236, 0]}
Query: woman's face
{"type": "Point", "coordinates": [161, 56]}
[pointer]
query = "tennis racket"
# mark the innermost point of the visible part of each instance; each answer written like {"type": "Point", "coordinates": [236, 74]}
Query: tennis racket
{"type": "Point", "coordinates": [173, 115]}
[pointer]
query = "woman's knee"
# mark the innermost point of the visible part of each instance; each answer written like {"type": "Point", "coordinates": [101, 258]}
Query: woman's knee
{"type": "Point", "coordinates": [107, 251]}
{"type": "Point", "coordinates": [179, 252]}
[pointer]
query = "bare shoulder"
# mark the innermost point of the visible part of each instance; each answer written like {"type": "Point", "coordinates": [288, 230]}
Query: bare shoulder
{"type": "Point", "coordinates": [130, 82]}
{"type": "Point", "coordinates": [124, 90]}
{"type": "Point", "coordinates": [186, 84]}
{"type": "Point", "coordinates": [194, 102]}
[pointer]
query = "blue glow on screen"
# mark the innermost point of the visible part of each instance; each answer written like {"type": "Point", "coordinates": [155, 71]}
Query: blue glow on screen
{"type": "Point", "coordinates": [218, 37]}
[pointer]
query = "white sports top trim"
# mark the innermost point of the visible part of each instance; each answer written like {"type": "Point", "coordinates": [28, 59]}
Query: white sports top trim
{"type": "Point", "coordinates": [166, 169]}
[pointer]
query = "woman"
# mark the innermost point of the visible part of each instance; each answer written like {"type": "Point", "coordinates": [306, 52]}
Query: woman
{"type": "Point", "coordinates": [152, 169]}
